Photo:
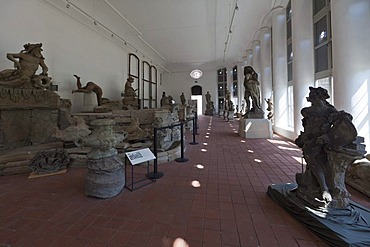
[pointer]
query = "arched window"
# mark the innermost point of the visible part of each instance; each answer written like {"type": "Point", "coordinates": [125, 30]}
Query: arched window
{"type": "Point", "coordinates": [134, 70]}
{"type": "Point", "coordinates": [196, 90]}
{"type": "Point", "coordinates": [153, 88]}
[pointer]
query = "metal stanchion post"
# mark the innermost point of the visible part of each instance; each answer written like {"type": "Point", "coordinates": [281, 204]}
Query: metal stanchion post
{"type": "Point", "coordinates": [194, 129]}
{"type": "Point", "coordinates": [156, 174]}
{"type": "Point", "coordinates": [196, 123]}
{"type": "Point", "coordinates": [182, 159]}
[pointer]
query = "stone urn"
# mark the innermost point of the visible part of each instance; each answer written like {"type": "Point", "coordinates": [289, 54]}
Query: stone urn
{"type": "Point", "coordinates": [105, 177]}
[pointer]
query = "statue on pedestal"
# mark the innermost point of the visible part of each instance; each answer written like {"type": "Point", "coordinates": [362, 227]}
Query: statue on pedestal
{"type": "Point", "coordinates": [209, 105]}
{"type": "Point", "coordinates": [320, 199]}
{"type": "Point", "coordinates": [328, 147]}
{"type": "Point", "coordinates": [90, 87]}
{"type": "Point", "coordinates": [182, 99]}
{"type": "Point", "coordinates": [252, 93]}
{"type": "Point", "coordinates": [130, 99]}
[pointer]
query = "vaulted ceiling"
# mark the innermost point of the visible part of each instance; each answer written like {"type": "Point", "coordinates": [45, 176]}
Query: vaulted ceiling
{"type": "Point", "coordinates": [197, 33]}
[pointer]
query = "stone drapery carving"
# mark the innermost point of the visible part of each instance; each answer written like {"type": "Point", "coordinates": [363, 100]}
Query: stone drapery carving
{"type": "Point", "coordinates": [49, 161]}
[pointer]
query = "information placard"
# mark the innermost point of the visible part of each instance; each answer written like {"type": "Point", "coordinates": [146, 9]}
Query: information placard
{"type": "Point", "coordinates": [140, 156]}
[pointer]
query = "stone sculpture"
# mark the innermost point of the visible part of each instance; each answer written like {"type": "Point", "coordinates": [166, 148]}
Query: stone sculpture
{"type": "Point", "coordinates": [90, 87]}
{"type": "Point", "coordinates": [51, 161]}
{"type": "Point", "coordinates": [76, 130]}
{"type": "Point", "coordinates": [135, 132]}
{"type": "Point", "coordinates": [252, 93]}
{"type": "Point", "coordinates": [105, 177]}
{"type": "Point", "coordinates": [269, 108]}
{"type": "Point", "coordinates": [320, 199]}
{"type": "Point", "coordinates": [327, 145]}
{"type": "Point", "coordinates": [209, 105]}
{"type": "Point", "coordinates": [130, 100]}
{"type": "Point", "coordinates": [182, 99]}
{"type": "Point", "coordinates": [358, 175]}
{"type": "Point", "coordinates": [24, 74]}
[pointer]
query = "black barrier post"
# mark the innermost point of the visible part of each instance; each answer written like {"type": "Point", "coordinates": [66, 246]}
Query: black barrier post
{"type": "Point", "coordinates": [182, 159]}
{"type": "Point", "coordinates": [196, 123]}
{"type": "Point", "coordinates": [194, 129]}
{"type": "Point", "coordinates": [156, 174]}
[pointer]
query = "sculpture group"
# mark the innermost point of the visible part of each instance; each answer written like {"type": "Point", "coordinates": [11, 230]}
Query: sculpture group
{"type": "Point", "coordinates": [252, 94]}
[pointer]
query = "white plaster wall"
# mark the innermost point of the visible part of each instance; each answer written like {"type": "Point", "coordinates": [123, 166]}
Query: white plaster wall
{"type": "Point", "coordinates": [176, 83]}
{"type": "Point", "coordinates": [70, 47]}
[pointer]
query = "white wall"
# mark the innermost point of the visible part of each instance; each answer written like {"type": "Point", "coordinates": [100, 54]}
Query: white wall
{"type": "Point", "coordinates": [176, 83]}
{"type": "Point", "coordinates": [72, 44]}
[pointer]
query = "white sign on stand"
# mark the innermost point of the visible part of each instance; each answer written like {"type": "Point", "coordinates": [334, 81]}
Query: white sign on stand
{"type": "Point", "coordinates": [140, 156]}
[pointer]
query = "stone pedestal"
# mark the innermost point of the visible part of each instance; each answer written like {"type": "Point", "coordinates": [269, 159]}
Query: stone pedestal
{"type": "Point", "coordinates": [105, 177]}
{"type": "Point", "coordinates": [255, 128]}
{"type": "Point", "coordinates": [89, 102]}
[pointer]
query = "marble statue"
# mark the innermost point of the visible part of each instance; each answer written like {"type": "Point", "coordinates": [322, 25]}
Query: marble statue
{"type": "Point", "coordinates": [90, 87]}
{"type": "Point", "coordinates": [26, 64]}
{"type": "Point", "coordinates": [252, 94]}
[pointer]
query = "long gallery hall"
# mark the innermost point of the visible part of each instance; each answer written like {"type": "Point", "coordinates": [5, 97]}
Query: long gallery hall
{"type": "Point", "coordinates": [217, 198]}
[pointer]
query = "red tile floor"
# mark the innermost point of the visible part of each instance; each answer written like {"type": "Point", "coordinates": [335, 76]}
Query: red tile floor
{"type": "Point", "coordinates": [217, 198]}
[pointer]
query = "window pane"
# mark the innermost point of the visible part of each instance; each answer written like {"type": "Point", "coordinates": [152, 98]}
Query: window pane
{"type": "Point", "coordinates": [290, 106]}
{"type": "Point", "coordinates": [146, 90]}
{"type": "Point", "coordinates": [327, 84]}
{"type": "Point", "coordinates": [288, 11]}
{"type": "Point", "coordinates": [235, 74]}
{"type": "Point", "coordinates": [289, 53]}
{"type": "Point", "coordinates": [321, 59]}
{"type": "Point", "coordinates": [290, 71]}
{"type": "Point", "coordinates": [321, 31]}
{"type": "Point", "coordinates": [235, 89]}
{"type": "Point", "coordinates": [288, 29]}
{"type": "Point", "coordinates": [318, 5]}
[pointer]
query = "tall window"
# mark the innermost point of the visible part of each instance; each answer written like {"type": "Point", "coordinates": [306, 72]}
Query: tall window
{"type": "Point", "coordinates": [290, 107]}
{"type": "Point", "coordinates": [323, 45]}
{"type": "Point", "coordinates": [146, 85]}
{"type": "Point", "coordinates": [222, 85]}
{"type": "Point", "coordinates": [153, 88]}
{"type": "Point", "coordinates": [133, 71]}
{"type": "Point", "coordinates": [235, 83]}
{"type": "Point", "coordinates": [290, 65]}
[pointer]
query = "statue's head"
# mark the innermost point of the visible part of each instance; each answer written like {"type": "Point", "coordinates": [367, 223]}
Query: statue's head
{"type": "Point", "coordinates": [34, 49]}
{"type": "Point", "coordinates": [248, 70]}
{"type": "Point", "coordinates": [317, 94]}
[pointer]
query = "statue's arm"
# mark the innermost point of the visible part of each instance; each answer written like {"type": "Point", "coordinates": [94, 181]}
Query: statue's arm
{"type": "Point", "coordinates": [44, 67]}
{"type": "Point", "coordinates": [13, 57]}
